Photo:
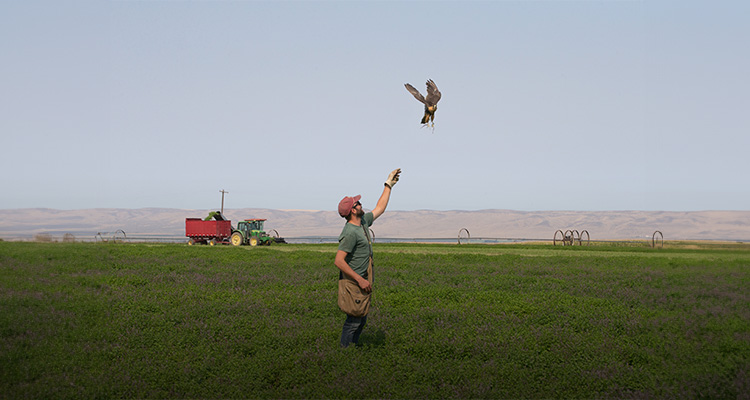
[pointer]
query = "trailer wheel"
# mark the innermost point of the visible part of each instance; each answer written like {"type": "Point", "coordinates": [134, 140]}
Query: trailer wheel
{"type": "Point", "coordinates": [190, 242]}
{"type": "Point", "coordinates": [236, 239]}
{"type": "Point", "coordinates": [253, 241]}
{"type": "Point", "coordinates": [212, 242]}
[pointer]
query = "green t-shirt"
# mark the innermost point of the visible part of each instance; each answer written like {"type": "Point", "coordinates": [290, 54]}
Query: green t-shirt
{"type": "Point", "coordinates": [355, 241]}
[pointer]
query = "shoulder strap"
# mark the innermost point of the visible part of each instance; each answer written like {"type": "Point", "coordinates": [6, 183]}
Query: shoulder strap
{"type": "Point", "coordinates": [370, 274]}
{"type": "Point", "coordinates": [369, 267]}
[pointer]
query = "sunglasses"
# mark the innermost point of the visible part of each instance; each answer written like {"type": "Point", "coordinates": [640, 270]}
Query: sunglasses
{"type": "Point", "coordinates": [356, 204]}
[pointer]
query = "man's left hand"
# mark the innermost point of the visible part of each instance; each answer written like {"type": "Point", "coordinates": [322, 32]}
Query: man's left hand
{"type": "Point", "coordinates": [393, 178]}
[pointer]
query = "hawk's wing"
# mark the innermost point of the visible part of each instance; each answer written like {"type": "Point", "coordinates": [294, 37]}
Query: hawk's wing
{"type": "Point", "coordinates": [415, 92]}
{"type": "Point", "coordinates": [433, 94]}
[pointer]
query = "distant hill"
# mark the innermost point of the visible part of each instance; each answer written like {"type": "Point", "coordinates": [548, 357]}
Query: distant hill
{"type": "Point", "coordinates": [601, 225]}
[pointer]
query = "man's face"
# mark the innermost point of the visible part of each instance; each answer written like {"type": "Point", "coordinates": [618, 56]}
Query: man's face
{"type": "Point", "coordinates": [357, 209]}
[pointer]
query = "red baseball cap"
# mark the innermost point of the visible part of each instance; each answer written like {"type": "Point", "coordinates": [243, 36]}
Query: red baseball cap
{"type": "Point", "coordinates": [346, 204]}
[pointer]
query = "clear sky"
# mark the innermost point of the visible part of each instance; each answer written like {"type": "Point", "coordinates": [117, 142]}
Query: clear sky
{"type": "Point", "coordinates": [547, 105]}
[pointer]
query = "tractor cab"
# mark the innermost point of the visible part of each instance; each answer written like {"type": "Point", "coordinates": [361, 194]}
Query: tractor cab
{"type": "Point", "coordinates": [249, 225]}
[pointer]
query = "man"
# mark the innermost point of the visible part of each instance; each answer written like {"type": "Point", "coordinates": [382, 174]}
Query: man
{"type": "Point", "coordinates": [355, 249]}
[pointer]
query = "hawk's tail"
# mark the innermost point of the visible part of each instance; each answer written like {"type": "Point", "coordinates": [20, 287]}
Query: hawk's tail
{"type": "Point", "coordinates": [426, 118]}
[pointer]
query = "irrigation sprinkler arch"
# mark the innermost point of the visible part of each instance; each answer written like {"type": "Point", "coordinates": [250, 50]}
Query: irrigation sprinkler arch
{"type": "Point", "coordinates": [660, 239]}
{"type": "Point", "coordinates": [104, 237]}
{"type": "Point", "coordinates": [468, 235]}
{"type": "Point", "coordinates": [570, 237]}
{"type": "Point", "coordinates": [575, 236]}
{"type": "Point", "coordinates": [117, 237]}
{"type": "Point", "coordinates": [555, 239]}
{"type": "Point", "coordinates": [580, 238]}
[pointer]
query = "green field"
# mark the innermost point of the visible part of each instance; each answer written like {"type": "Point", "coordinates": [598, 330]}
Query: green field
{"type": "Point", "coordinates": [110, 320]}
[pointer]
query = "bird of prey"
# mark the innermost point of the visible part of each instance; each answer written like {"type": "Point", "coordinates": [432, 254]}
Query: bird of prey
{"type": "Point", "coordinates": [430, 102]}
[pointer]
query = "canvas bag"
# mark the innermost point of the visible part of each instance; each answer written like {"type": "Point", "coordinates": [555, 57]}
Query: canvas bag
{"type": "Point", "coordinates": [352, 299]}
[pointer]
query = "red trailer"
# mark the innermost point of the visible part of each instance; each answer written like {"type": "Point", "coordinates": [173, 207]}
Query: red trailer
{"type": "Point", "coordinates": [211, 232]}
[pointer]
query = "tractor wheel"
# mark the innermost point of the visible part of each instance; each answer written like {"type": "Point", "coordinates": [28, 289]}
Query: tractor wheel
{"type": "Point", "coordinates": [236, 239]}
{"type": "Point", "coordinates": [253, 241]}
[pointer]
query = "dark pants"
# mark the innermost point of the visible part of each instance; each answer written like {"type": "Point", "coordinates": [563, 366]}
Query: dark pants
{"type": "Point", "coordinates": [352, 329]}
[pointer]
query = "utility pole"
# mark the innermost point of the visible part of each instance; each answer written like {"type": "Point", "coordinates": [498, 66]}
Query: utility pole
{"type": "Point", "coordinates": [222, 200]}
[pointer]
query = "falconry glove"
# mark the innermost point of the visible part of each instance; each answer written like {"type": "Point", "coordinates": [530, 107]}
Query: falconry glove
{"type": "Point", "coordinates": [393, 178]}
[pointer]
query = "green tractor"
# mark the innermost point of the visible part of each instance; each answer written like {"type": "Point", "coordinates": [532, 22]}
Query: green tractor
{"type": "Point", "coordinates": [250, 231]}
